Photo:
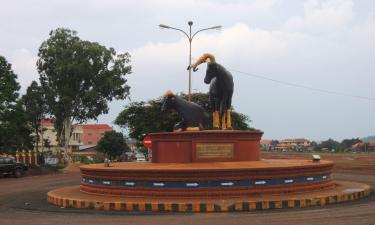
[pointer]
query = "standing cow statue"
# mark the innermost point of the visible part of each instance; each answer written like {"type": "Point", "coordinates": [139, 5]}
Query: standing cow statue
{"type": "Point", "coordinates": [221, 90]}
{"type": "Point", "coordinates": [194, 117]}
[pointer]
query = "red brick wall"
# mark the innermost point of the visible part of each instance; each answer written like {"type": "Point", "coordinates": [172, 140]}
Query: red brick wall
{"type": "Point", "coordinates": [92, 133]}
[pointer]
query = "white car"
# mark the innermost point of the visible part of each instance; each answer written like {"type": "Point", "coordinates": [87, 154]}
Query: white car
{"type": "Point", "coordinates": [141, 158]}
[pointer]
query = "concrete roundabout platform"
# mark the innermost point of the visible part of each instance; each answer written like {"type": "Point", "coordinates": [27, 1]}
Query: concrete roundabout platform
{"type": "Point", "coordinates": [73, 197]}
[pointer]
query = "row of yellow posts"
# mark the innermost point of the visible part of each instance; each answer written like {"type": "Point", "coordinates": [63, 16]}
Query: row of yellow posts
{"type": "Point", "coordinates": [30, 157]}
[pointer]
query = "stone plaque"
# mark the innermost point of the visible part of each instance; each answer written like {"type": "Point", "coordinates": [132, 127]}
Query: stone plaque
{"type": "Point", "coordinates": [214, 150]}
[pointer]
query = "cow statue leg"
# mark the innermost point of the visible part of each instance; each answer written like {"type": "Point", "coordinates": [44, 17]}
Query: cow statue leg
{"type": "Point", "coordinates": [180, 126]}
{"type": "Point", "coordinates": [229, 114]}
{"type": "Point", "coordinates": [215, 118]}
{"type": "Point", "coordinates": [229, 120]}
{"type": "Point", "coordinates": [216, 114]}
{"type": "Point", "coordinates": [223, 120]}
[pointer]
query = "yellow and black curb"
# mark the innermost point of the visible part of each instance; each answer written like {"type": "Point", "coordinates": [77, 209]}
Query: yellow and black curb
{"type": "Point", "coordinates": [81, 200]}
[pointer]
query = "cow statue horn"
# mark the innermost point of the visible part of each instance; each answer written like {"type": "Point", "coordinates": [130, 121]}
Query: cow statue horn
{"type": "Point", "coordinates": [168, 93]}
{"type": "Point", "coordinates": [204, 58]}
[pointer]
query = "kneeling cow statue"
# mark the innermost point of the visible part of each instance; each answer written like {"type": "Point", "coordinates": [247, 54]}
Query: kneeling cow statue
{"type": "Point", "coordinates": [193, 115]}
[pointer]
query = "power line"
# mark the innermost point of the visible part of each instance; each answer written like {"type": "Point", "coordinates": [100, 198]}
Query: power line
{"type": "Point", "coordinates": [304, 87]}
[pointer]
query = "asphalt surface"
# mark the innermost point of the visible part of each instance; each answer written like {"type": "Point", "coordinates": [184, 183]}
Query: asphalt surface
{"type": "Point", "coordinates": [23, 201]}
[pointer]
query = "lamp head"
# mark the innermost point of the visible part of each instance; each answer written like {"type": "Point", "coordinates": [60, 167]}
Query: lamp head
{"type": "Point", "coordinates": [190, 23]}
{"type": "Point", "coordinates": [162, 26]}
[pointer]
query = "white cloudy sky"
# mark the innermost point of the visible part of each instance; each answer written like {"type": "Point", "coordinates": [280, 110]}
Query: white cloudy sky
{"type": "Point", "coordinates": [326, 44]}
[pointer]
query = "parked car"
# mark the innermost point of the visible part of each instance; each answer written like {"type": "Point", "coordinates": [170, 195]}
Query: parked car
{"type": "Point", "coordinates": [10, 166]}
{"type": "Point", "coordinates": [141, 158]}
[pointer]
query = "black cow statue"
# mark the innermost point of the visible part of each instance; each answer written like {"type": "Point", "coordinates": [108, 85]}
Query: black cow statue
{"type": "Point", "coordinates": [193, 115]}
{"type": "Point", "coordinates": [221, 90]}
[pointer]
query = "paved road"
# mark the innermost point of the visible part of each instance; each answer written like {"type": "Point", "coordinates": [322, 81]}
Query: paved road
{"type": "Point", "coordinates": [23, 201]}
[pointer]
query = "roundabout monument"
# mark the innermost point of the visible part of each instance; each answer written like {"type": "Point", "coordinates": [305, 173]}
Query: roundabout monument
{"type": "Point", "coordinates": [198, 170]}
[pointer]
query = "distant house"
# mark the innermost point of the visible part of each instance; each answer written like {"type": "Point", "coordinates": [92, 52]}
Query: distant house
{"type": "Point", "coordinates": [360, 146]}
{"type": "Point", "coordinates": [265, 145]}
{"type": "Point", "coordinates": [48, 138]}
{"type": "Point", "coordinates": [297, 142]}
{"type": "Point", "coordinates": [82, 135]}
{"type": "Point", "coordinates": [293, 144]}
{"type": "Point", "coordinates": [92, 133]}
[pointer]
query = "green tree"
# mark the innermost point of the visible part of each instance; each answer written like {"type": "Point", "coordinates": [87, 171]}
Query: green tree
{"type": "Point", "coordinates": [330, 144]}
{"type": "Point", "coordinates": [14, 130]}
{"type": "Point", "coordinates": [35, 108]}
{"type": "Point", "coordinates": [348, 143]}
{"type": "Point", "coordinates": [8, 86]}
{"type": "Point", "coordinates": [79, 78]}
{"type": "Point", "coordinates": [141, 118]}
{"type": "Point", "coordinates": [112, 144]}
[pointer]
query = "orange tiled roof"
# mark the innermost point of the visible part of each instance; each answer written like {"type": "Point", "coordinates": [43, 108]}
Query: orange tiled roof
{"type": "Point", "coordinates": [265, 142]}
{"type": "Point", "coordinates": [47, 122]}
{"type": "Point", "coordinates": [295, 140]}
{"type": "Point", "coordinates": [360, 144]}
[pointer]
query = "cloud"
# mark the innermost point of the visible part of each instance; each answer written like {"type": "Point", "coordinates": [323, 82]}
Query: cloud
{"type": "Point", "coordinates": [24, 65]}
{"type": "Point", "coordinates": [326, 44]}
{"type": "Point", "coordinates": [322, 16]}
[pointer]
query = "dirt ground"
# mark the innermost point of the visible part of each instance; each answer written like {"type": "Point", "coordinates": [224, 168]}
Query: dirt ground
{"type": "Point", "coordinates": [23, 201]}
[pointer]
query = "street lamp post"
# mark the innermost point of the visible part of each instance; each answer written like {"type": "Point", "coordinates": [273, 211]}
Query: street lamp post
{"type": "Point", "coordinates": [190, 38]}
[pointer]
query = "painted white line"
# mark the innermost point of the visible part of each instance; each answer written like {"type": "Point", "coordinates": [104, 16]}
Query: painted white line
{"type": "Point", "coordinates": [192, 184]}
{"type": "Point", "coordinates": [158, 184]}
{"type": "Point", "coordinates": [260, 182]}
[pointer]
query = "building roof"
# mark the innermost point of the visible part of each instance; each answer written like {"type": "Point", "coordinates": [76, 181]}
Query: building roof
{"type": "Point", "coordinates": [265, 142]}
{"type": "Point", "coordinates": [96, 126]}
{"type": "Point", "coordinates": [295, 140]}
{"type": "Point", "coordinates": [47, 122]}
{"type": "Point", "coordinates": [86, 147]}
{"type": "Point", "coordinates": [360, 144]}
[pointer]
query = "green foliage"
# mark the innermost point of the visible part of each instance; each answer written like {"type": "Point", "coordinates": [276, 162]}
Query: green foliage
{"type": "Point", "coordinates": [143, 150]}
{"type": "Point", "coordinates": [348, 143]}
{"type": "Point", "coordinates": [15, 133]}
{"type": "Point", "coordinates": [141, 118]}
{"type": "Point", "coordinates": [14, 129]}
{"type": "Point", "coordinates": [331, 144]}
{"type": "Point", "coordinates": [112, 144]}
{"type": "Point", "coordinates": [35, 108]}
{"type": "Point", "coordinates": [79, 78]}
{"type": "Point", "coordinates": [8, 86]}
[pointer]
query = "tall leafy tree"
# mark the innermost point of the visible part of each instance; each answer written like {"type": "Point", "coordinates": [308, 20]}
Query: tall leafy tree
{"type": "Point", "coordinates": [14, 130]}
{"type": "Point", "coordinates": [8, 86]}
{"type": "Point", "coordinates": [79, 78]}
{"type": "Point", "coordinates": [15, 133]}
{"type": "Point", "coordinates": [35, 108]}
{"type": "Point", "coordinates": [141, 118]}
{"type": "Point", "coordinates": [112, 144]}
